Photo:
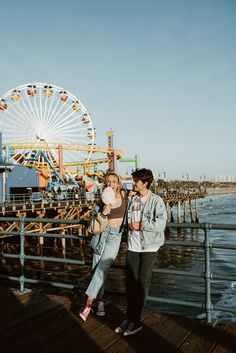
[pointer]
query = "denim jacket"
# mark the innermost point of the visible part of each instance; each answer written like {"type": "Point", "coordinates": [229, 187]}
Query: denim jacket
{"type": "Point", "coordinates": [154, 218]}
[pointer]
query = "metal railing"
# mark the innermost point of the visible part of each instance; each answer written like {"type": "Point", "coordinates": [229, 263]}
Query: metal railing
{"type": "Point", "coordinates": [46, 198]}
{"type": "Point", "coordinates": [207, 275]}
{"type": "Point", "coordinates": [206, 245]}
{"type": "Point", "coordinates": [22, 256]}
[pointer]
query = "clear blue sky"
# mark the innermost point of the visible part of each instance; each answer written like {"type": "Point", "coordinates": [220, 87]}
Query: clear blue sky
{"type": "Point", "coordinates": [160, 73]}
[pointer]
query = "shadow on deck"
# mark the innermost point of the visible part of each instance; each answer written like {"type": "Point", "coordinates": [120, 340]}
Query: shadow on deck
{"type": "Point", "coordinates": [38, 322]}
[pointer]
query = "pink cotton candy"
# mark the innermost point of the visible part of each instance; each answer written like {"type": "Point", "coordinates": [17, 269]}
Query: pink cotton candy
{"type": "Point", "coordinates": [108, 196]}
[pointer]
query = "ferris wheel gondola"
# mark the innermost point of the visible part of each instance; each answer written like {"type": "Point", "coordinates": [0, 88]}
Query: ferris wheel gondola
{"type": "Point", "coordinates": [41, 114]}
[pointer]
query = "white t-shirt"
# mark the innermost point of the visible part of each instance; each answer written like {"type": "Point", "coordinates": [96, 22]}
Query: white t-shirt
{"type": "Point", "coordinates": [134, 237]}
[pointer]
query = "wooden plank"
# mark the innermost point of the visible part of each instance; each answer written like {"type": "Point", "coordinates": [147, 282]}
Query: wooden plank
{"type": "Point", "coordinates": [80, 337]}
{"type": "Point", "coordinates": [35, 305]}
{"type": "Point", "coordinates": [38, 322]}
{"type": "Point", "coordinates": [10, 295]}
{"type": "Point", "coordinates": [105, 336]}
{"type": "Point", "coordinates": [227, 342]}
{"type": "Point", "coordinates": [166, 337]}
{"type": "Point", "coordinates": [71, 339]}
{"type": "Point", "coordinates": [145, 340]}
{"type": "Point", "coordinates": [202, 340]}
{"type": "Point", "coordinates": [91, 336]}
{"type": "Point", "coordinates": [28, 332]}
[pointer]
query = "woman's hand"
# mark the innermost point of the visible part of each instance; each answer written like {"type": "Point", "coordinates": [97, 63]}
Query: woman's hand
{"type": "Point", "coordinates": [106, 209]}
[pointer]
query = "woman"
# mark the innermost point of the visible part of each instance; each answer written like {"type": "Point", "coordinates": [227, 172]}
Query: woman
{"type": "Point", "coordinates": [110, 246]}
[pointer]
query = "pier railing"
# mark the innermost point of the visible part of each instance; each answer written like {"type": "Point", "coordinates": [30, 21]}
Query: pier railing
{"type": "Point", "coordinates": [206, 245]}
{"type": "Point", "coordinates": [45, 198]}
{"type": "Point", "coordinates": [207, 275]}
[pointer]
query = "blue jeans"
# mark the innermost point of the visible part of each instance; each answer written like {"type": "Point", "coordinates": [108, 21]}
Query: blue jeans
{"type": "Point", "coordinates": [103, 262]}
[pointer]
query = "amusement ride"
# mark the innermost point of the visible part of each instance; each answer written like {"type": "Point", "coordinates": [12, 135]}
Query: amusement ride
{"type": "Point", "coordinates": [47, 127]}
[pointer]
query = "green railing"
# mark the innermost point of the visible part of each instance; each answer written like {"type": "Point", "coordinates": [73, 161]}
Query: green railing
{"type": "Point", "coordinates": [206, 245]}
{"type": "Point", "coordinates": [22, 256]}
{"type": "Point", "coordinates": [207, 275]}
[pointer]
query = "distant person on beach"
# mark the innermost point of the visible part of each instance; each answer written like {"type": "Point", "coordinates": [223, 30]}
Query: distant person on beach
{"type": "Point", "coordinates": [146, 223]}
{"type": "Point", "coordinates": [106, 245]}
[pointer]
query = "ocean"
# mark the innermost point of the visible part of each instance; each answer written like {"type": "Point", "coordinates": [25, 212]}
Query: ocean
{"type": "Point", "coordinates": [212, 209]}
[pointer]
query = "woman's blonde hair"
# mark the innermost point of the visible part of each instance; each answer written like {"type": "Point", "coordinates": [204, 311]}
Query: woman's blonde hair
{"type": "Point", "coordinates": [118, 191]}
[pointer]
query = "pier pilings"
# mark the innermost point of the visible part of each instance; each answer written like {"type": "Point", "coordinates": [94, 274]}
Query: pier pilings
{"type": "Point", "coordinates": [181, 206]}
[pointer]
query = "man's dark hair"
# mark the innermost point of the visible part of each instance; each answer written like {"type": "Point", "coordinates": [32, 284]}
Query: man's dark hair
{"type": "Point", "coordinates": [143, 174]}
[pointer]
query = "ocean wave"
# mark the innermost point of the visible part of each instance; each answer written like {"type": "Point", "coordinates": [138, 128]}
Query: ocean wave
{"type": "Point", "coordinates": [228, 299]}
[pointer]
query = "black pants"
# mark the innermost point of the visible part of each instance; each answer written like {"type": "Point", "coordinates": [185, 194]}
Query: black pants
{"type": "Point", "coordinates": [138, 277]}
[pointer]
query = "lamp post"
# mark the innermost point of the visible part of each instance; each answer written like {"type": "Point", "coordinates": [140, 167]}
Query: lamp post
{"type": "Point", "coordinates": [162, 178]}
{"type": "Point", "coordinates": [164, 174]}
{"type": "Point", "coordinates": [185, 175]}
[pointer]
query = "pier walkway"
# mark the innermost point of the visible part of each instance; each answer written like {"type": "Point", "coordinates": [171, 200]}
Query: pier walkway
{"type": "Point", "coordinates": [38, 322]}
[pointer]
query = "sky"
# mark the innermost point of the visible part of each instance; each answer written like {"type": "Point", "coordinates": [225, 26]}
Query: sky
{"type": "Point", "coordinates": [160, 73]}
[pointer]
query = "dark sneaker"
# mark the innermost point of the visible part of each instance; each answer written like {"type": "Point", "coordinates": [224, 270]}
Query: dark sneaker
{"type": "Point", "coordinates": [132, 329]}
{"type": "Point", "coordinates": [123, 327]}
{"type": "Point", "coordinates": [100, 309]}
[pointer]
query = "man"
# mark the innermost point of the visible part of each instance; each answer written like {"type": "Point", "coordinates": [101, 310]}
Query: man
{"type": "Point", "coordinates": [146, 221]}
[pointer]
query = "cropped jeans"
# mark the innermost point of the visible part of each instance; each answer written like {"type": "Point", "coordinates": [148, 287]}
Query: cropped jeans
{"type": "Point", "coordinates": [102, 263]}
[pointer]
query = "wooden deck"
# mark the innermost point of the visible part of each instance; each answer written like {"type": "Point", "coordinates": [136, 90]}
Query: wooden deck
{"type": "Point", "coordinates": [37, 322]}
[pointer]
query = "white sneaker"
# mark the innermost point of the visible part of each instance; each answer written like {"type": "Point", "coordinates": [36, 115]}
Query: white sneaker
{"type": "Point", "coordinates": [84, 313]}
{"type": "Point", "coordinates": [100, 309]}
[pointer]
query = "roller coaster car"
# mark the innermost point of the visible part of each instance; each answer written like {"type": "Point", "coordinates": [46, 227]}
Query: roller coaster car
{"type": "Point", "coordinates": [33, 156]}
{"type": "Point", "coordinates": [3, 105]}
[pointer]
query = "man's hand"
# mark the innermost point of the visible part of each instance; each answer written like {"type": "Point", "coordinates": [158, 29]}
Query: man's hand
{"type": "Point", "coordinates": [134, 226]}
{"type": "Point", "coordinates": [132, 193]}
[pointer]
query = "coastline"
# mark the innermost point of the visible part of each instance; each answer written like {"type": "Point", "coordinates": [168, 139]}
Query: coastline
{"type": "Point", "coordinates": [221, 191]}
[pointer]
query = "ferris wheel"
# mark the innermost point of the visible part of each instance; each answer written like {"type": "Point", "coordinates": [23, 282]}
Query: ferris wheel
{"type": "Point", "coordinates": [36, 118]}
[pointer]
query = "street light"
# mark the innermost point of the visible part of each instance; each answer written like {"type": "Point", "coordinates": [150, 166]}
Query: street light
{"type": "Point", "coordinates": [164, 174]}
{"type": "Point", "coordinates": [185, 174]}
{"type": "Point", "coordinates": [161, 180]}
